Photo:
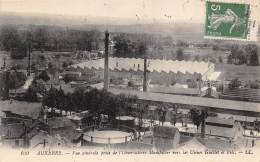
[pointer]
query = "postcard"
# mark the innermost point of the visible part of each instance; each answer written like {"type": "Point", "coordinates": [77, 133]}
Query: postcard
{"type": "Point", "coordinates": [129, 80]}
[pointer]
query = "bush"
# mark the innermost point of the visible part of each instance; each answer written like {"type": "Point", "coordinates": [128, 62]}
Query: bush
{"type": "Point", "coordinates": [254, 85]}
{"type": "Point", "coordinates": [44, 76]}
{"type": "Point", "coordinates": [65, 64]}
{"type": "Point", "coordinates": [18, 53]}
{"type": "Point", "coordinates": [235, 83]}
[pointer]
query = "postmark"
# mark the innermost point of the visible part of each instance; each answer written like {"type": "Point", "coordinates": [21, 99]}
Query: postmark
{"type": "Point", "coordinates": [229, 21]}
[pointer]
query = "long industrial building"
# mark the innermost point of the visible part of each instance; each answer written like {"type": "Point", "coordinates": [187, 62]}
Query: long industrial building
{"type": "Point", "coordinates": [163, 72]}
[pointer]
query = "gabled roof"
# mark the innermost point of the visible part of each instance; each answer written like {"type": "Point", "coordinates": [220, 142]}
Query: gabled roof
{"type": "Point", "coordinates": [171, 90]}
{"type": "Point", "coordinates": [13, 130]}
{"type": "Point", "coordinates": [193, 144]}
{"type": "Point", "coordinates": [165, 132]}
{"type": "Point", "coordinates": [31, 109]}
{"type": "Point", "coordinates": [223, 121]}
{"type": "Point", "coordinates": [60, 122]}
{"type": "Point", "coordinates": [191, 100]}
{"type": "Point", "coordinates": [158, 65]}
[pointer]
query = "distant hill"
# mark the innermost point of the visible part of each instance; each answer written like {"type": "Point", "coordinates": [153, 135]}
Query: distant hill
{"type": "Point", "coordinates": [186, 31]}
{"type": "Point", "coordinates": [178, 31]}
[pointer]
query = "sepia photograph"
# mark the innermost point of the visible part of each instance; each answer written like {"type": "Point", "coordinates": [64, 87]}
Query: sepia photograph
{"type": "Point", "coordinates": [156, 79]}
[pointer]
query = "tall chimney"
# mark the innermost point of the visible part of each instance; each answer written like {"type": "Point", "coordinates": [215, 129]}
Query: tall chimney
{"type": "Point", "coordinates": [4, 63]}
{"type": "Point", "coordinates": [106, 69]}
{"type": "Point", "coordinates": [145, 74]}
{"type": "Point", "coordinates": [29, 61]}
{"type": "Point", "coordinates": [6, 84]}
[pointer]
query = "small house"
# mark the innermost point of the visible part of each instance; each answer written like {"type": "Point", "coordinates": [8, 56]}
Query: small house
{"type": "Point", "coordinates": [223, 127]}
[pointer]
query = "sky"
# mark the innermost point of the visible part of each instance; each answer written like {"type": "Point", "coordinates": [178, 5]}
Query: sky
{"type": "Point", "coordinates": [152, 10]}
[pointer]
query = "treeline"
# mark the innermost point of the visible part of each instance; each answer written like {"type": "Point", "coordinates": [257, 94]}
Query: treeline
{"type": "Point", "coordinates": [127, 47]}
{"type": "Point", "coordinates": [93, 100]}
{"type": "Point", "coordinates": [47, 38]}
{"type": "Point", "coordinates": [247, 54]}
{"type": "Point", "coordinates": [90, 99]}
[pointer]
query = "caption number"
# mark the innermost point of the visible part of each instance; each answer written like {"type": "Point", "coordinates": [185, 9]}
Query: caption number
{"type": "Point", "coordinates": [215, 7]}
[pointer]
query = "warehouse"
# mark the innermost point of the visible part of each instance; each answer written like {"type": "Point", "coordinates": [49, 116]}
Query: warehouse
{"type": "Point", "coordinates": [162, 72]}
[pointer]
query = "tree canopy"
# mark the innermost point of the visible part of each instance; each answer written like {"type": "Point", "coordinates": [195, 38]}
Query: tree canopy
{"type": "Point", "coordinates": [93, 100]}
{"type": "Point", "coordinates": [40, 37]}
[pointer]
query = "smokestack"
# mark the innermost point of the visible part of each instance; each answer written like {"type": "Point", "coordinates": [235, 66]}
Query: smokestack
{"type": "Point", "coordinates": [145, 74]}
{"type": "Point", "coordinates": [6, 84]}
{"type": "Point", "coordinates": [29, 61]}
{"type": "Point", "coordinates": [106, 70]}
{"type": "Point", "coordinates": [4, 63]}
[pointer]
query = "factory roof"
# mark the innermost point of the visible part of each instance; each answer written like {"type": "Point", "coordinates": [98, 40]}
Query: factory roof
{"type": "Point", "coordinates": [191, 100]}
{"type": "Point", "coordinates": [153, 65]}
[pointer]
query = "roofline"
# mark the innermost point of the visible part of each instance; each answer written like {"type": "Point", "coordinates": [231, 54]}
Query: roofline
{"type": "Point", "coordinates": [191, 100]}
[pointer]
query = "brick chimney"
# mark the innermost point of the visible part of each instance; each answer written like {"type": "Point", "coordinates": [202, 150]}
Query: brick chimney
{"type": "Point", "coordinates": [106, 67]}
{"type": "Point", "coordinates": [145, 74]}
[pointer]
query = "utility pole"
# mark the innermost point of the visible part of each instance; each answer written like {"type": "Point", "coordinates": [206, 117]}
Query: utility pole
{"type": "Point", "coordinates": [106, 67]}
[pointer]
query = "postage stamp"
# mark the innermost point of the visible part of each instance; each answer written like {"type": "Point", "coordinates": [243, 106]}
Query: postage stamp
{"type": "Point", "coordinates": [229, 21]}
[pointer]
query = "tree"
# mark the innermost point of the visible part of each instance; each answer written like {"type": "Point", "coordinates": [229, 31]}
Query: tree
{"type": "Point", "coordinates": [215, 47]}
{"type": "Point", "coordinates": [34, 89]}
{"type": "Point", "coordinates": [65, 64]}
{"type": "Point", "coordinates": [234, 83]}
{"type": "Point", "coordinates": [220, 60]}
{"type": "Point", "coordinates": [195, 117]}
{"type": "Point", "coordinates": [254, 59]}
{"type": "Point", "coordinates": [141, 49]}
{"type": "Point", "coordinates": [17, 79]}
{"type": "Point", "coordinates": [52, 69]}
{"type": "Point", "coordinates": [77, 98]}
{"type": "Point", "coordinates": [44, 76]}
{"type": "Point", "coordinates": [40, 37]}
{"type": "Point", "coordinates": [213, 60]}
{"type": "Point", "coordinates": [203, 116]}
{"type": "Point", "coordinates": [229, 59]}
{"type": "Point", "coordinates": [141, 110]}
{"type": "Point", "coordinates": [19, 52]}
{"type": "Point", "coordinates": [254, 85]}
{"type": "Point", "coordinates": [49, 99]}
{"type": "Point", "coordinates": [181, 43]}
{"type": "Point", "coordinates": [162, 115]}
{"type": "Point", "coordinates": [122, 46]}
{"type": "Point", "coordinates": [60, 100]}
{"type": "Point", "coordinates": [252, 52]}
{"type": "Point", "coordinates": [180, 55]}
{"type": "Point", "coordinates": [198, 118]}
{"type": "Point", "coordinates": [9, 38]}
{"type": "Point", "coordinates": [130, 46]}
{"type": "Point", "coordinates": [67, 102]}
{"type": "Point", "coordinates": [31, 95]}
{"type": "Point", "coordinates": [131, 99]}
